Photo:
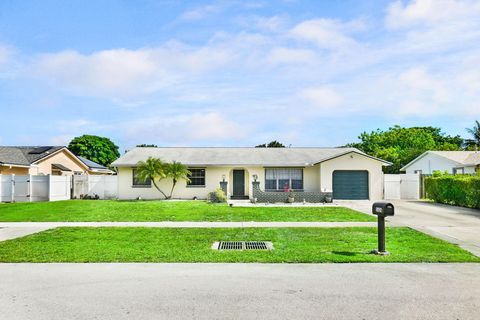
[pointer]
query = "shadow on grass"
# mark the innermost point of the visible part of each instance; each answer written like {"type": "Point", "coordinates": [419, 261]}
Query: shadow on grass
{"type": "Point", "coordinates": [348, 253]}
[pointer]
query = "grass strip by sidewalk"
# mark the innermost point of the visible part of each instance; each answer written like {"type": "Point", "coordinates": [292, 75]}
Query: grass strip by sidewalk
{"type": "Point", "coordinates": [113, 210]}
{"type": "Point", "coordinates": [292, 245]}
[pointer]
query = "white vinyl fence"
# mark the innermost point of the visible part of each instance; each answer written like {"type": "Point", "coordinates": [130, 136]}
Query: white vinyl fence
{"type": "Point", "coordinates": [60, 188]}
{"type": "Point", "coordinates": [30, 188]}
{"type": "Point", "coordinates": [402, 186]}
{"type": "Point", "coordinates": [105, 187]}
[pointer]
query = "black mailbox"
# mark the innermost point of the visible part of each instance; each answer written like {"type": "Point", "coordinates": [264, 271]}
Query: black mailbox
{"type": "Point", "coordinates": [383, 209]}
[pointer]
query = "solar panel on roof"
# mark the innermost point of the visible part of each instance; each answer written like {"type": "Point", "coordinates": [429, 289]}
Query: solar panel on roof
{"type": "Point", "coordinates": [40, 150]}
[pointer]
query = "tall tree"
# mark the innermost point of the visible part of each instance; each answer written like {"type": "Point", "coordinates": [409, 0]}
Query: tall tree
{"type": "Point", "coordinates": [401, 145]}
{"type": "Point", "coordinates": [271, 144]}
{"type": "Point", "coordinates": [99, 149]}
{"type": "Point", "coordinates": [475, 133]}
{"type": "Point", "coordinates": [153, 169]}
{"type": "Point", "coordinates": [176, 171]}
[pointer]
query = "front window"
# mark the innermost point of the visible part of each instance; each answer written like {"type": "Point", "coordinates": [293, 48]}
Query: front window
{"type": "Point", "coordinates": [282, 179]}
{"type": "Point", "coordinates": [197, 177]}
{"type": "Point", "coordinates": [138, 182]}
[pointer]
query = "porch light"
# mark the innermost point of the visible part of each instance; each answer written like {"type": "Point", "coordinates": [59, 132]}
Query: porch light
{"type": "Point", "coordinates": [223, 177]}
{"type": "Point", "coordinates": [255, 177]}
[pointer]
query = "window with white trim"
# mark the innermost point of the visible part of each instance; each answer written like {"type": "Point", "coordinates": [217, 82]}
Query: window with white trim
{"type": "Point", "coordinates": [281, 179]}
{"type": "Point", "coordinates": [136, 182]}
{"type": "Point", "coordinates": [197, 177]}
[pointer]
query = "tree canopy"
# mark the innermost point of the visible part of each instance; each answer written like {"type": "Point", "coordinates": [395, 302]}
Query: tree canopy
{"type": "Point", "coordinates": [98, 149]}
{"type": "Point", "coordinates": [401, 145]}
{"type": "Point", "coordinates": [474, 142]}
{"type": "Point", "coordinates": [271, 144]}
{"type": "Point", "coordinates": [143, 145]}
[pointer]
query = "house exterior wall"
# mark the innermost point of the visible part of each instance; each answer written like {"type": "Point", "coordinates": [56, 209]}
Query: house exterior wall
{"type": "Point", "coordinates": [317, 178]}
{"type": "Point", "coordinates": [213, 177]}
{"type": "Point", "coordinates": [13, 170]}
{"type": "Point", "coordinates": [353, 161]}
{"type": "Point", "coordinates": [431, 162]}
{"type": "Point", "coordinates": [44, 166]}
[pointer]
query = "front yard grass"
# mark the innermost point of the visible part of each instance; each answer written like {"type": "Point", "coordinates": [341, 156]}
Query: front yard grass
{"type": "Point", "coordinates": [292, 245]}
{"type": "Point", "coordinates": [113, 210]}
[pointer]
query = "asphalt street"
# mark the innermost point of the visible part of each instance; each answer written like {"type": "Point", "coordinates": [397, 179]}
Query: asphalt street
{"type": "Point", "coordinates": [239, 291]}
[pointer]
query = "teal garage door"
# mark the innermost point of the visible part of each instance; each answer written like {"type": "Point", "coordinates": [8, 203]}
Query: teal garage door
{"type": "Point", "coordinates": [350, 184]}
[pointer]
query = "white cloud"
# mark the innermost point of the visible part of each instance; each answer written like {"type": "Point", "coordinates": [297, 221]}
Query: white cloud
{"type": "Point", "coordinates": [200, 12]}
{"type": "Point", "coordinates": [185, 128]}
{"type": "Point", "coordinates": [5, 53]}
{"type": "Point", "coordinates": [120, 72]}
{"type": "Point", "coordinates": [327, 33]}
{"type": "Point", "coordinates": [430, 12]}
{"type": "Point", "coordinates": [74, 125]}
{"type": "Point", "coordinates": [274, 23]}
{"type": "Point", "coordinates": [61, 140]}
{"type": "Point", "coordinates": [286, 56]}
{"type": "Point", "coordinates": [323, 98]}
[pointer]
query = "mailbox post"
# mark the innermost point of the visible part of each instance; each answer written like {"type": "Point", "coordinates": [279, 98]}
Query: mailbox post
{"type": "Point", "coordinates": [382, 210]}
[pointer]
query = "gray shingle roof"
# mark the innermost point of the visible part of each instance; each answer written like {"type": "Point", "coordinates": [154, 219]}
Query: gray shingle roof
{"type": "Point", "coordinates": [235, 156]}
{"type": "Point", "coordinates": [460, 157]}
{"type": "Point", "coordinates": [24, 155]}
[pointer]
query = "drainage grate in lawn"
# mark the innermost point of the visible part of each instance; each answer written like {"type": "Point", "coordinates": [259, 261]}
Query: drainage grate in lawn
{"type": "Point", "coordinates": [242, 245]}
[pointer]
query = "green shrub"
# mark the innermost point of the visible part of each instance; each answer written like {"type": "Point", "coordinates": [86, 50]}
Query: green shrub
{"type": "Point", "coordinates": [459, 190]}
{"type": "Point", "coordinates": [217, 196]}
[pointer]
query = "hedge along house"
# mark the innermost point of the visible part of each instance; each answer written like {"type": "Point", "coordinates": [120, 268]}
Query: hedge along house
{"type": "Point", "coordinates": [259, 173]}
{"type": "Point", "coordinates": [43, 160]}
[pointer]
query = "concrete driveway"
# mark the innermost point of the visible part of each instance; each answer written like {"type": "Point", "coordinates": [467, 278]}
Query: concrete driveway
{"type": "Point", "coordinates": [454, 224]}
{"type": "Point", "coordinates": [239, 291]}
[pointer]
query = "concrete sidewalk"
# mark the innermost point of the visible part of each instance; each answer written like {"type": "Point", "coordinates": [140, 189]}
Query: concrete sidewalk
{"type": "Point", "coordinates": [12, 230]}
{"type": "Point", "coordinates": [18, 232]}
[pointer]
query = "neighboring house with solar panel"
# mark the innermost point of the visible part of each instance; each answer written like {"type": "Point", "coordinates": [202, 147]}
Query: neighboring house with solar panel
{"type": "Point", "coordinates": [43, 160]}
{"type": "Point", "coordinates": [259, 173]}
{"type": "Point", "coordinates": [454, 162]}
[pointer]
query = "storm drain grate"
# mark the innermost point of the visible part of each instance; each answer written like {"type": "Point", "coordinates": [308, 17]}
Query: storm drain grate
{"type": "Point", "coordinates": [242, 245]}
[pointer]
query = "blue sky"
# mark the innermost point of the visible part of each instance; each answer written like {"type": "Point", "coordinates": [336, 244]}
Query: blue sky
{"type": "Point", "coordinates": [235, 73]}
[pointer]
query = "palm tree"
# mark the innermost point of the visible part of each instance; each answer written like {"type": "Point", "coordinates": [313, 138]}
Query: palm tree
{"type": "Point", "coordinates": [153, 169]}
{"type": "Point", "coordinates": [177, 171]}
{"type": "Point", "coordinates": [475, 132]}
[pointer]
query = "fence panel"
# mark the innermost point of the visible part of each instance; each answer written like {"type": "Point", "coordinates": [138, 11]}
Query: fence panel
{"type": "Point", "coordinates": [52, 188]}
{"type": "Point", "coordinates": [60, 187]}
{"type": "Point", "coordinates": [392, 186]}
{"type": "Point", "coordinates": [80, 186]}
{"type": "Point", "coordinates": [39, 188]}
{"type": "Point", "coordinates": [5, 188]}
{"type": "Point", "coordinates": [103, 186]}
{"type": "Point", "coordinates": [402, 186]}
{"type": "Point", "coordinates": [21, 191]}
{"type": "Point", "coordinates": [410, 186]}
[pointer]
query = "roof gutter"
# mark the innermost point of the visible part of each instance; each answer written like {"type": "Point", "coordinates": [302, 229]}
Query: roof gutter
{"type": "Point", "coordinates": [386, 163]}
{"type": "Point", "coordinates": [13, 165]}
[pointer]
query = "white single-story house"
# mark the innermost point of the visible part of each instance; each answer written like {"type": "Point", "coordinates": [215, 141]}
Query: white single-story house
{"type": "Point", "coordinates": [251, 173]}
{"type": "Point", "coordinates": [454, 162]}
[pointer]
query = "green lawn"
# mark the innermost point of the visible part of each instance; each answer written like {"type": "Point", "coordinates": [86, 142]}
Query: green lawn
{"type": "Point", "coordinates": [194, 245]}
{"type": "Point", "coordinates": [112, 210]}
